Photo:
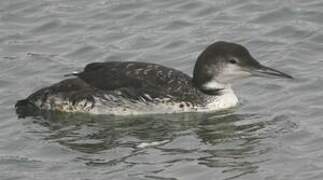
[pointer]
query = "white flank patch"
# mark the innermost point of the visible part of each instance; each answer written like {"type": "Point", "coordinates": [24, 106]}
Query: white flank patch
{"type": "Point", "coordinates": [122, 106]}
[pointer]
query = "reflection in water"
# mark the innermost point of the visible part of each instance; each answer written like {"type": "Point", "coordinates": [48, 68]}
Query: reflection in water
{"type": "Point", "coordinates": [235, 144]}
{"type": "Point", "coordinates": [226, 141]}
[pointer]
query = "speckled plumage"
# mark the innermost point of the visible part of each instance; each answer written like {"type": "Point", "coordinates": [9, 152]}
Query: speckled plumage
{"type": "Point", "coordinates": [123, 88]}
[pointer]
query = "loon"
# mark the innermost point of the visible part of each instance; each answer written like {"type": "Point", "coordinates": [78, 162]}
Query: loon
{"type": "Point", "coordinates": [130, 88]}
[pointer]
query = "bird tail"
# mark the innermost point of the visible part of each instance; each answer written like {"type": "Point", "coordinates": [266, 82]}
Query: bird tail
{"type": "Point", "coordinates": [26, 108]}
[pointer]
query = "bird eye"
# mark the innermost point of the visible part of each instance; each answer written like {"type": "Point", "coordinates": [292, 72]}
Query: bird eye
{"type": "Point", "coordinates": [233, 61]}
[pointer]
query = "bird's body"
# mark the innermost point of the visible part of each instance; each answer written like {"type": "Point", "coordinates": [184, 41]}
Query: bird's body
{"type": "Point", "coordinates": [124, 88]}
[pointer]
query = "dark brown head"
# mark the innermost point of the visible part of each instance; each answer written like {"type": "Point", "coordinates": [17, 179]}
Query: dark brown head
{"type": "Point", "coordinates": [223, 62]}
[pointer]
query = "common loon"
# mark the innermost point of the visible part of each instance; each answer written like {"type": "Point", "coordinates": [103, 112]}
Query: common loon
{"type": "Point", "coordinates": [124, 88]}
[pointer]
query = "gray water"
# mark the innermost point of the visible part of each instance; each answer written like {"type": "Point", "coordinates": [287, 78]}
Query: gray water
{"type": "Point", "coordinates": [275, 134]}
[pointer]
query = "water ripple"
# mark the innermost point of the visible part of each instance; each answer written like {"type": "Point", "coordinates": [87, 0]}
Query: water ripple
{"type": "Point", "coordinates": [274, 134]}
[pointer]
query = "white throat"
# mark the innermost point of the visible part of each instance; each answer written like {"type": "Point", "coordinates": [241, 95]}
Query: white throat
{"type": "Point", "coordinates": [226, 99]}
{"type": "Point", "coordinates": [213, 85]}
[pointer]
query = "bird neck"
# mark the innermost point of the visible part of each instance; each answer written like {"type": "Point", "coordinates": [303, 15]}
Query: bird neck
{"type": "Point", "coordinates": [203, 77]}
{"type": "Point", "coordinates": [211, 86]}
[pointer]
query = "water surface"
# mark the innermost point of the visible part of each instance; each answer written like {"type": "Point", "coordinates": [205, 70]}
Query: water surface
{"type": "Point", "coordinates": [276, 132]}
